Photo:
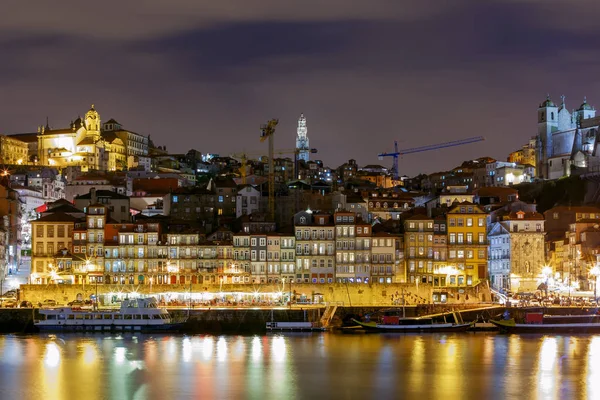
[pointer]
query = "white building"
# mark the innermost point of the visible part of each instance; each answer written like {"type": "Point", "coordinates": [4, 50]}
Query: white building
{"type": "Point", "coordinates": [31, 198]}
{"type": "Point", "coordinates": [247, 201]}
{"type": "Point", "coordinates": [516, 251]}
{"type": "Point", "coordinates": [512, 174]}
{"type": "Point", "coordinates": [565, 140]}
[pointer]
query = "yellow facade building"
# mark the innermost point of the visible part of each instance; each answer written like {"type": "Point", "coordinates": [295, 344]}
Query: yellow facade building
{"type": "Point", "coordinates": [12, 151]}
{"type": "Point", "coordinates": [467, 245]}
{"type": "Point", "coordinates": [88, 144]}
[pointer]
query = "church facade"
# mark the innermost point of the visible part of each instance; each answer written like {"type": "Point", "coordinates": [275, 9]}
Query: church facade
{"type": "Point", "coordinates": [566, 141]}
{"type": "Point", "coordinates": [88, 144]}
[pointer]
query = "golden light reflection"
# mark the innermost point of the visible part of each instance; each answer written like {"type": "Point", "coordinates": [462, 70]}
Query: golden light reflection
{"type": "Point", "coordinates": [186, 349]}
{"type": "Point", "coordinates": [90, 354]}
{"type": "Point", "coordinates": [207, 347]}
{"type": "Point", "coordinates": [451, 358]}
{"type": "Point", "coordinates": [278, 349]}
{"type": "Point", "coordinates": [171, 350]}
{"type": "Point", "coordinates": [120, 353]}
{"type": "Point", "coordinates": [52, 355]}
{"type": "Point", "coordinates": [151, 352]}
{"type": "Point", "coordinates": [593, 369]}
{"type": "Point", "coordinates": [417, 358]}
{"type": "Point", "coordinates": [256, 349]}
{"type": "Point", "coordinates": [239, 351]}
{"type": "Point", "coordinates": [221, 349]}
{"type": "Point", "coordinates": [547, 372]}
{"type": "Point", "coordinates": [50, 376]}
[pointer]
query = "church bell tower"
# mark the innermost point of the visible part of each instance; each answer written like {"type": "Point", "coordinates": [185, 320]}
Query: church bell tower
{"type": "Point", "coordinates": [302, 147]}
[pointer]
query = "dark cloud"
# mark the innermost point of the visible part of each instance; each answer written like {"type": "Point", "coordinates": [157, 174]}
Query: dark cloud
{"type": "Point", "coordinates": [207, 77]}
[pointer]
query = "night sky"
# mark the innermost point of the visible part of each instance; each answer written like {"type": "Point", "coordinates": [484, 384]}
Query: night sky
{"type": "Point", "coordinates": [205, 74]}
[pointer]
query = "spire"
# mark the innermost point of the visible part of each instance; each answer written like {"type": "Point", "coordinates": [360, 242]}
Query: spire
{"type": "Point", "coordinates": [47, 127]}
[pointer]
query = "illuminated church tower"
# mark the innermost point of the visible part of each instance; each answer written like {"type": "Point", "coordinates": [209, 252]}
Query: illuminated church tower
{"type": "Point", "coordinates": [302, 140]}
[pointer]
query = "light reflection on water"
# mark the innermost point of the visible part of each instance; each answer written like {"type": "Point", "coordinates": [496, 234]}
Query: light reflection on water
{"type": "Point", "coordinates": [477, 366]}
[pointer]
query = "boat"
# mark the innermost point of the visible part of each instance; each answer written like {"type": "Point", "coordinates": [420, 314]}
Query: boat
{"type": "Point", "coordinates": [141, 315]}
{"type": "Point", "coordinates": [389, 321]}
{"type": "Point", "coordinates": [540, 323]}
{"type": "Point", "coordinates": [479, 326]}
{"type": "Point", "coordinates": [294, 327]}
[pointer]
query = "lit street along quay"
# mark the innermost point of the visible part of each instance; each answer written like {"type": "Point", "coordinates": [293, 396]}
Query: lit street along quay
{"type": "Point", "coordinates": [299, 366]}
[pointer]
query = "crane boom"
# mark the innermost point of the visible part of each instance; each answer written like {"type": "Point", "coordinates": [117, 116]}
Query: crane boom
{"type": "Point", "coordinates": [429, 147]}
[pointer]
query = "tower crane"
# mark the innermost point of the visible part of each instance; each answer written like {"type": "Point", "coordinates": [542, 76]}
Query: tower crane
{"type": "Point", "coordinates": [246, 156]}
{"type": "Point", "coordinates": [429, 147]}
{"type": "Point", "coordinates": [267, 131]}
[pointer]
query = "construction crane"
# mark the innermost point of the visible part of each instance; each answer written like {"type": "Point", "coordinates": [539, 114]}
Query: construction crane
{"type": "Point", "coordinates": [267, 132]}
{"type": "Point", "coordinates": [420, 149]}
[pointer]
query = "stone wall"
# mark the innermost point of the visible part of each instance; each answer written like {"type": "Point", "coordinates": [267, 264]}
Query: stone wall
{"type": "Point", "coordinates": [343, 294]}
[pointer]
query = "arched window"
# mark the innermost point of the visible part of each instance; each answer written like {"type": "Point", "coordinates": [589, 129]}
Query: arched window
{"type": "Point", "coordinates": [385, 205]}
{"type": "Point", "coordinates": [377, 205]}
{"type": "Point", "coordinates": [552, 116]}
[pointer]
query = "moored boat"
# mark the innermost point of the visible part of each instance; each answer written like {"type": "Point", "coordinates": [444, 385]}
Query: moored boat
{"type": "Point", "coordinates": [540, 323]}
{"type": "Point", "coordinates": [294, 327]}
{"type": "Point", "coordinates": [444, 322]}
{"type": "Point", "coordinates": [134, 315]}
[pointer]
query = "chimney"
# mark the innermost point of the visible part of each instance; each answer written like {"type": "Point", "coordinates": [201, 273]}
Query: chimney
{"type": "Point", "coordinates": [93, 198]}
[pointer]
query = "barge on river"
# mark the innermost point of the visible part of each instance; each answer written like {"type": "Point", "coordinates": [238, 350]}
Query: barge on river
{"type": "Point", "coordinates": [141, 315]}
{"type": "Point", "coordinates": [540, 323]}
{"type": "Point", "coordinates": [390, 321]}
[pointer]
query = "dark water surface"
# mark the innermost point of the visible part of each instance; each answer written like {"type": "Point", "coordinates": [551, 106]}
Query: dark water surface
{"type": "Point", "coordinates": [303, 366]}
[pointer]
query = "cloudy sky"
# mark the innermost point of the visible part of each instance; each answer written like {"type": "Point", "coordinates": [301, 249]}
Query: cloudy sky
{"type": "Point", "coordinates": [205, 74]}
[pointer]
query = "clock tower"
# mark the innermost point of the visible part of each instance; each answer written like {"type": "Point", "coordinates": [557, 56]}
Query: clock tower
{"type": "Point", "coordinates": [302, 147]}
{"type": "Point", "coordinates": [92, 122]}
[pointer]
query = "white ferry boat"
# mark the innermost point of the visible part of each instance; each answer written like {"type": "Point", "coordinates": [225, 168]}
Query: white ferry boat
{"type": "Point", "coordinates": [134, 315]}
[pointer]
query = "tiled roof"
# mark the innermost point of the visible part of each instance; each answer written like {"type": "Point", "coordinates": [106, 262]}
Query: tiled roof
{"type": "Point", "coordinates": [86, 140]}
{"type": "Point", "coordinates": [57, 217]}
{"type": "Point", "coordinates": [102, 193]}
{"type": "Point", "coordinates": [526, 216]}
{"type": "Point", "coordinates": [25, 137]}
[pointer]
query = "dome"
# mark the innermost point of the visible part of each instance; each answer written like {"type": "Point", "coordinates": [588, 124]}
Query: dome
{"type": "Point", "coordinates": [585, 106]}
{"type": "Point", "coordinates": [547, 103]}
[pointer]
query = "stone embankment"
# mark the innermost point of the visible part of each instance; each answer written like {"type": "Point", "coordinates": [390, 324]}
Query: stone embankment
{"type": "Point", "coordinates": [343, 294]}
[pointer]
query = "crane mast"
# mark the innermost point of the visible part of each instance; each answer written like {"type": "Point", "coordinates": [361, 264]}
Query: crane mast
{"type": "Point", "coordinates": [267, 133]}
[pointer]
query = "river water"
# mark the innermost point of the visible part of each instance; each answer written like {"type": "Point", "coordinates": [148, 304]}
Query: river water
{"type": "Point", "coordinates": [300, 366]}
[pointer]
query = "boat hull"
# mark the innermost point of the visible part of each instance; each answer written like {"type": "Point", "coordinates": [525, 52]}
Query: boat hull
{"type": "Point", "coordinates": [414, 328]}
{"type": "Point", "coordinates": [511, 327]}
{"type": "Point", "coordinates": [173, 327]}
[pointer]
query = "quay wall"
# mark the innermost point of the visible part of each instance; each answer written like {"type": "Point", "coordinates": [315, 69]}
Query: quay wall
{"type": "Point", "coordinates": [342, 294]}
{"type": "Point", "coordinates": [217, 320]}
